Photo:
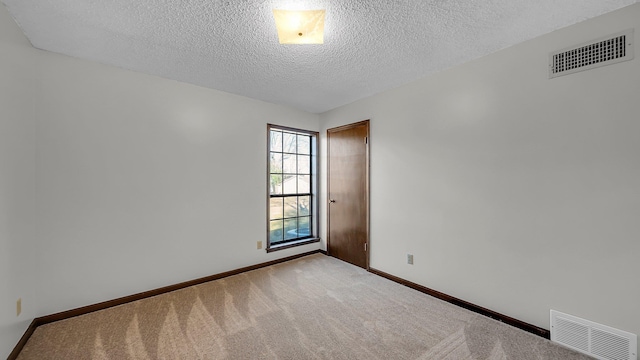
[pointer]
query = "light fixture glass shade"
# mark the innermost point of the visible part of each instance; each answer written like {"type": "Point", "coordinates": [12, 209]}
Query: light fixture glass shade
{"type": "Point", "coordinates": [300, 26]}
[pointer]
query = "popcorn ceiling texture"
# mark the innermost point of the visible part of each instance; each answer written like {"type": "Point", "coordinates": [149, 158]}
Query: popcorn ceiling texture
{"type": "Point", "coordinates": [370, 46]}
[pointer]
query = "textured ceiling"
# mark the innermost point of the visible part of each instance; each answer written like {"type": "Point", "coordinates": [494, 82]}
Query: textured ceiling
{"type": "Point", "coordinates": [370, 46]}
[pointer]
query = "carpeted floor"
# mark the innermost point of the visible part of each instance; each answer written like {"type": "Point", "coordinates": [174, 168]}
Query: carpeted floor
{"type": "Point", "coordinates": [315, 307]}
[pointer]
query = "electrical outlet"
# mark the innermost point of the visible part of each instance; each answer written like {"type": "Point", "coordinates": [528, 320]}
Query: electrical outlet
{"type": "Point", "coordinates": [18, 307]}
{"type": "Point", "coordinates": [259, 245]}
{"type": "Point", "coordinates": [410, 259]}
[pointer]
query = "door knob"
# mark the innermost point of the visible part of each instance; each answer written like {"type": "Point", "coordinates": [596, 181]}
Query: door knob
{"type": "Point", "coordinates": [332, 201]}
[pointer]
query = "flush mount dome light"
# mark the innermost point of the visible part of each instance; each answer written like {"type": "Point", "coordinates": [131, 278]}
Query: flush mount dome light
{"type": "Point", "coordinates": [300, 26]}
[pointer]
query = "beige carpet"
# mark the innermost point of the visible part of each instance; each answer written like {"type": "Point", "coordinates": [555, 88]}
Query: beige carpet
{"type": "Point", "coordinates": [314, 307]}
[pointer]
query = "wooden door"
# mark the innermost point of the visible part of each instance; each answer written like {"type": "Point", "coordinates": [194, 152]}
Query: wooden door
{"type": "Point", "coordinates": [348, 193]}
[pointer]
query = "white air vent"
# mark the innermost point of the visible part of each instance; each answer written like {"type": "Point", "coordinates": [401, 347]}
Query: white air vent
{"type": "Point", "coordinates": [606, 51]}
{"type": "Point", "coordinates": [599, 341]}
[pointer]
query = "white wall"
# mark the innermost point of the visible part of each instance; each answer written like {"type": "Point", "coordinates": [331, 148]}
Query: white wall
{"type": "Point", "coordinates": [145, 182]}
{"type": "Point", "coordinates": [17, 176]}
{"type": "Point", "coordinates": [512, 191]}
{"type": "Point", "coordinates": [141, 182]}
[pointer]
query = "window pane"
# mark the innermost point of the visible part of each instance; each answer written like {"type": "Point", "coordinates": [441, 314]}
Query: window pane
{"type": "Point", "coordinates": [276, 184]}
{"type": "Point", "coordinates": [275, 231]}
{"type": "Point", "coordinates": [304, 144]}
{"type": "Point", "coordinates": [290, 229]}
{"type": "Point", "coordinates": [304, 184]}
{"type": "Point", "coordinates": [304, 226]}
{"type": "Point", "coordinates": [289, 164]}
{"type": "Point", "coordinates": [290, 206]}
{"type": "Point", "coordinates": [276, 208]}
{"type": "Point", "coordinates": [276, 140]}
{"type": "Point", "coordinates": [289, 184]}
{"type": "Point", "coordinates": [304, 205]}
{"type": "Point", "coordinates": [304, 164]}
{"type": "Point", "coordinates": [289, 142]}
{"type": "Point", "coordinates": [275, 163]}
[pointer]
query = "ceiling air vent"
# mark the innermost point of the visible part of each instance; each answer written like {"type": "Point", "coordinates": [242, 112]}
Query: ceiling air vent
{"type": "Point", "coordinates": [606, 51]}
{"type": "Point", "coordinates": [599, 341]}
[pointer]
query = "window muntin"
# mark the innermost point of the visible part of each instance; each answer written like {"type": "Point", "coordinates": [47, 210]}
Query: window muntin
{"type": "Point", "coordinates": [291, 185]}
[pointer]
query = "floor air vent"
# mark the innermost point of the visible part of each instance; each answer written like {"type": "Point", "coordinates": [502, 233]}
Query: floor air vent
{"type": "Point", "coordinates": [606, 51]}
{"type": "Point", "coordinates": [599, 341]}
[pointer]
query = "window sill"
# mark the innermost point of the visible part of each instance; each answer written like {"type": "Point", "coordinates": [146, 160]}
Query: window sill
{"type": "Point", "coordinates": [292, 244]}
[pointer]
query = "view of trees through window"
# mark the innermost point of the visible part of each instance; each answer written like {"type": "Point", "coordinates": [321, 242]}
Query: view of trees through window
{"type": "Point", "coordinates": [290, 213]}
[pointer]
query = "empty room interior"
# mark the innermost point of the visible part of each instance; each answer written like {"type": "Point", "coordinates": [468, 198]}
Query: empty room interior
{"type": "Point", "coordinates": [139, 144]}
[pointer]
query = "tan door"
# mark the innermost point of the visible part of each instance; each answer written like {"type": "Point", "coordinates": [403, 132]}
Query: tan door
{"type": "Point", "coordinates": [348, 193]}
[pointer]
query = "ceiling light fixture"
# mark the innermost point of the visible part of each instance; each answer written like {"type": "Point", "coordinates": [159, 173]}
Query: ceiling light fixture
{"type": "Point", "coordinates": [300, 26]}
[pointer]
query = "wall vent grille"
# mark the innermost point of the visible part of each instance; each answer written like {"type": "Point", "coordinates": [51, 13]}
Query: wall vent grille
{"type": "Point", "coordinates": [605, 51]}
{"type": "Point", "coordinates": [599, 341]}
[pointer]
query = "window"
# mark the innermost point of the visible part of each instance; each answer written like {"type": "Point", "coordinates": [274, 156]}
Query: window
{"type": "Point", "coordinates": [292, 181]}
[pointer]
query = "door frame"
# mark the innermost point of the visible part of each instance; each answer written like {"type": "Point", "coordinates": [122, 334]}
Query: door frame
{"type": "Point", "coordinates": [367, 185]}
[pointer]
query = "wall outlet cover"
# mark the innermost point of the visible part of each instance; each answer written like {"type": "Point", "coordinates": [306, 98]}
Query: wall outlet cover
{"type": "Point", "coordinates": [19, 307]}
{"type": "Point", "coordinates": [259, 245]}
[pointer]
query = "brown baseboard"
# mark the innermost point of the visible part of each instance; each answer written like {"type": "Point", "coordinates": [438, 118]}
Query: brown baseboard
{"type": "Point", "coordinates": [139, 296]}
{"type": "Point", "coordinates": [467, 305]}
{"type": "Point", "coordinates": [23, 340]}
